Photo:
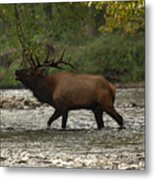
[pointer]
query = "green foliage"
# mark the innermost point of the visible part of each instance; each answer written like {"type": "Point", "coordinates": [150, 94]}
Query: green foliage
{"type": "Point", "coordinates": [103, 37]}
{"type": "Point", "coordinates": [122, 16]}
{"type": "Point", "coordinates": [7, 78]}
{"type": "Point", "coordinates": [119, 58]}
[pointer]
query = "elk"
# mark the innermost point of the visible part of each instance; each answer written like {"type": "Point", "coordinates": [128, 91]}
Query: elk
{"type": "Point", "coordinates": [67, 91]}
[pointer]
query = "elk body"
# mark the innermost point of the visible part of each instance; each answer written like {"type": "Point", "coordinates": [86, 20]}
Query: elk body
{"type": "Point", "coordinates": [69, 91]}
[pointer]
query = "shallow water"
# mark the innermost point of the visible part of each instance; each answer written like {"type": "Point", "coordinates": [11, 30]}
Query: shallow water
{"type": "Point", "coordinates": [26, 141]}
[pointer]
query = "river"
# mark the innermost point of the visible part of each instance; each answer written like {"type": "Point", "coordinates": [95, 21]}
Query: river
{"type": "Point", "coordinates": [26, 141]}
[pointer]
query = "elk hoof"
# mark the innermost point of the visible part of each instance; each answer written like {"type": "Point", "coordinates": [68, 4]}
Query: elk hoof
{"type": "Point", "coordinates": [101, 128]}
{"type": "Point", "coordinates": [48, 128]}
{"type": "Point", "coordinates": [122, 127]}
{"type": "Point", "coordinates": [48, 124]}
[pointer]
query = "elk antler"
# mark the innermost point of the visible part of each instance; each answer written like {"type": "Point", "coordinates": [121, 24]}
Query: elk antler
{"type": "Point", "coordinates": [50, 49]}
{"type": "Point", "coordinates": [34, 60]}
{"type": "Point", "coordinates": [53, 62]}
{"type": "Point", "coordinates": [28, 57]}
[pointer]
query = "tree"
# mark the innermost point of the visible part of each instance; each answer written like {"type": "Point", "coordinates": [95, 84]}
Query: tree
{"type": "Point", "coordinates": [123, 16]}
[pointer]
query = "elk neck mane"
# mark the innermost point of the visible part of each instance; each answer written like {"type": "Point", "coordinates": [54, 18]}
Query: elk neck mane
{"type": "Point", "coordinates": [42, 88]}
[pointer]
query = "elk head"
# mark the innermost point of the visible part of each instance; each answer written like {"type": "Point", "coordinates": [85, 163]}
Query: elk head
{"type": "Point", "coordinates": [29, 75]}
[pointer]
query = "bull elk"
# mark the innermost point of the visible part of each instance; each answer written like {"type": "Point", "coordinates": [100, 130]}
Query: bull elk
{"type": "Point", "coordinates": [67, 91]}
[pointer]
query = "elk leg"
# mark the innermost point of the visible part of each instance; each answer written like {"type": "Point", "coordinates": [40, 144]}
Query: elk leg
{"type": "Point", "coordinates": [64, 119]}
{"type": "Point", "coordinates": [113, 113]}
{"type": "Point", "coordinates": [54, 117]}
{"type": "Point", "coordinates": [98, 112]}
